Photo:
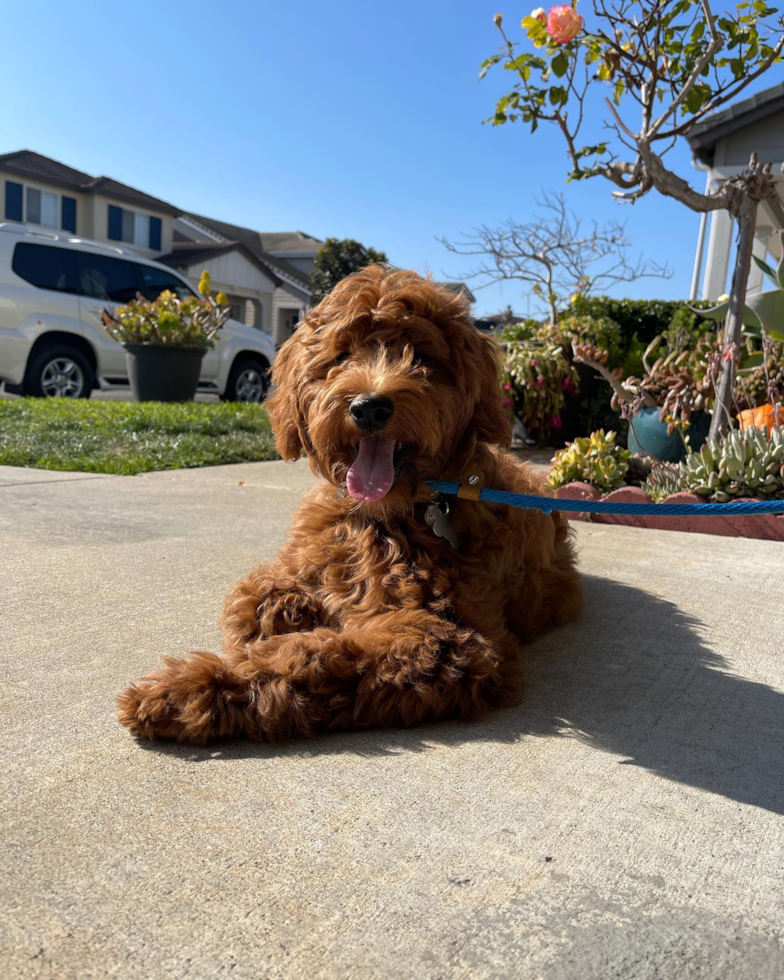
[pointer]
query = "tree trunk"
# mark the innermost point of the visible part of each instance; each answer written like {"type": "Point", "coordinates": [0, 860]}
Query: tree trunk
{"type": "Point", "coordinates": [747, 220]}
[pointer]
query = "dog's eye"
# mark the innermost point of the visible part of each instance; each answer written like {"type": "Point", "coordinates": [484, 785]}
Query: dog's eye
{"type": "Point", "coordinates": [341, 358]}
{"type": "Point", "coordinates": [420, 360]}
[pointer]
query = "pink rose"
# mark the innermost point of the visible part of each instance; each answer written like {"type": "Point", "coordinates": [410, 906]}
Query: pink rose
{"type": "Point", "coordinates": [540, 382]}
{"type": "Point", "coordinates": [563, 24]}
{"type": "Point", "coordinates": [534, 362]}
{"type": "Point", "coordinates": [507, 403]}
{"type": "Point", "coordinates": [507, 387]}
{"type": "Point", "coordinates": [556, 422]}
{"type": "Point", "coordinates": [567, 385]}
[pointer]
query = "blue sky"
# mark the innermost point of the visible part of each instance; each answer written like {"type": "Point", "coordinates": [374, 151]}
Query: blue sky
{"type": "Point", "coordinates": [347, 119]}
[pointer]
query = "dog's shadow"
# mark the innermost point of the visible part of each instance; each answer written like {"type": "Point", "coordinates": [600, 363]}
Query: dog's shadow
{"type": "Point", "coordinates": [634, 678]}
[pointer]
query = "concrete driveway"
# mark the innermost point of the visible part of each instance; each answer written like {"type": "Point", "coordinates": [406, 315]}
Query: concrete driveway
{"type": "Point", "coordinates": [625, 821]}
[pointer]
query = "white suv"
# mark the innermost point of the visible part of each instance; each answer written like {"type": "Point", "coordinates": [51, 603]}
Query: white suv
{"type": "Point", "coordinates": [53, 287]}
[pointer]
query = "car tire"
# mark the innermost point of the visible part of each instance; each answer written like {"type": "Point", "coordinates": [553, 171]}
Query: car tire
{"type": "Point", "coordinates": [248, 381]}
{"type": "Point", "coordinates": [59, 371]}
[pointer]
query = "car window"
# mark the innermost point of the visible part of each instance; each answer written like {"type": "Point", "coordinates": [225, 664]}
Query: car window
{"type": "Point", "coordinates": [155, 281]}
{"type": "Point", "coordinates": [106, 278]}
{"type": "Point", "coordinates": [45, 266]}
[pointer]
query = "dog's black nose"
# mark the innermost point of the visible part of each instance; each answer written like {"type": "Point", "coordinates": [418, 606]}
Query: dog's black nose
{"type": "Point", "coordinates": [371, 412]}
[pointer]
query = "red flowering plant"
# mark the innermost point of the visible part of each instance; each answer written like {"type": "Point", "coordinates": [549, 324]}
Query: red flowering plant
{"type": "Point", "coordinates": [538, 379]}
{"type": "Point", "coordinates": [655, 68]}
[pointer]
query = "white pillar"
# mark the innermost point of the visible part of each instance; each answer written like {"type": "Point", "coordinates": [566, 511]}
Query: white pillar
{"type": "Point", "coordinates": [719, 247]}
{"type": "Point", "coordinates": [698, 258]}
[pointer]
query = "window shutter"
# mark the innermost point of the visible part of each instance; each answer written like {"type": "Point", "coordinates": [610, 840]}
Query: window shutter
{"type": "Point", "coordinates": [114, 232]}
{"type": "Point", "coordinates": [68, 214]}
{"type": "Point", "coordinates": [155, 234]}
{"type": "Point", "coordinates": [13, 201]}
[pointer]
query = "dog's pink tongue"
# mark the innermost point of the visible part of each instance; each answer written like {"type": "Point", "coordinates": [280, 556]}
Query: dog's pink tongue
{"type": "Point", "coordinates": [373, 471]}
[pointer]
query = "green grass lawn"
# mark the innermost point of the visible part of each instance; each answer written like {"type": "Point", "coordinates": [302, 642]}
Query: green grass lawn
{"type": "Point", "coordinates": [126, 438]}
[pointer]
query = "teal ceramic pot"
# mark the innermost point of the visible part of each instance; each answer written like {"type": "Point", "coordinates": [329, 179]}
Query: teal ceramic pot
{"type": "Point", "coordinates": [648, 436]}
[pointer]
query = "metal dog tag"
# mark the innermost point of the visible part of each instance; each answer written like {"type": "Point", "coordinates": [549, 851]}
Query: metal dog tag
{"type": "Point", "coordinates": [437, 517]}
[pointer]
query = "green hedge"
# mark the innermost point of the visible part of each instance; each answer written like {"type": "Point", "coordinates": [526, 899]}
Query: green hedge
{"type": "Point", "coordinates": [644, 317]}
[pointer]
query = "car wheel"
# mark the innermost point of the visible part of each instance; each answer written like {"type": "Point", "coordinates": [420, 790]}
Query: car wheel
{"type": "Point", "coordinates": [59, 371]}
{"type": "Point", "coordinates": [248, 382]}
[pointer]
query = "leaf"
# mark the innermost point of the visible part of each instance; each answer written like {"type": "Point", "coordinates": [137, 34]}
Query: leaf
{"type": "Point", "coordinates": [560, 64]}
{"type": "Point", "coordinates": [698, 31]}
{"type": "Point", "coordinates": [618, 90]}
{"type": "Point", "coordinates": [719, 314]}
{"type": "Point", "coordinates": [750, 362]}
{"type": "Point", "coordinates": [558, 95]}
{"type": "Point", "coordinates": [769, 309]}
{"type": "Point", "coordinates": [766, 269]}
{"type": "Point", "coordinates": [487, 64]}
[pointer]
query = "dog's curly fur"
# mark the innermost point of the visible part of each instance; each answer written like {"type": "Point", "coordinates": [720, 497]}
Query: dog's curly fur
{"type": "Point", "coordinates": [366, 618]}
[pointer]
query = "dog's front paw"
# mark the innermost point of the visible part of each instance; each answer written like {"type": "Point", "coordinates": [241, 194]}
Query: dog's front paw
{"type": "Point", "coordinates": [288, 612]}
{"type": "Point", "coordinates": [183, 701]}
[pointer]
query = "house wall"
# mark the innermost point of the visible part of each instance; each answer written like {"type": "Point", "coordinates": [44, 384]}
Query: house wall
{"type": "Point", "coordinates": [92, 214]}
{"type": "Point", "coordinates": [240, 280]}
{"type": "Point", "coordinates": [286, 298]}
{"type": "Point", "coordinates": [764, 137]}
{"type": "Point", "coordinates": [82, 217]}
{"type": "Point", "coordinates": [302, 263]}
{"type": "Point", "coordinates": [100, 224]}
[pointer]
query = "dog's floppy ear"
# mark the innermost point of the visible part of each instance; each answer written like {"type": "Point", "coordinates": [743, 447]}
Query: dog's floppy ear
{"type": "Point", "coordinates": [283, 408]}
{"type": "Point", "coordinates": [491, 422]}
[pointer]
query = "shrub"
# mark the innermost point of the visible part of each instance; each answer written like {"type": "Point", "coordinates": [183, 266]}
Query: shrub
{"type": "Point", "coordinates": [596, 460]}
{"type": "Point", "coordinates": [538, 378]}
{"type": "Point", "coordinates": [516, 332]}
{"type": "Point", "coordinates": [647, 318]}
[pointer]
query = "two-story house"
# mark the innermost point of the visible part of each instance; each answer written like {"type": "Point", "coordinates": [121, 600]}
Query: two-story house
{"type": "Point", "coordinates": [266, 275]}
{"type": "Point", "coordinates": [37, 190]}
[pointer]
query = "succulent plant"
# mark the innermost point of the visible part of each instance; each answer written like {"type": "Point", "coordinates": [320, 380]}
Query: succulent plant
{"type": "Point", "coordinates": [595, 460]}
{"type": "Point", "coordinates": [741, 464]}
{"type": "Point", "coordinates": [663, 480]}
{"type": "Point", "coordinates": [189, 322]}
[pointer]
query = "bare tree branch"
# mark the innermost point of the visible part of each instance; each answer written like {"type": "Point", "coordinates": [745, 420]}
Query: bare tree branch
{"type": "Point", "coordinates": [553, 254]}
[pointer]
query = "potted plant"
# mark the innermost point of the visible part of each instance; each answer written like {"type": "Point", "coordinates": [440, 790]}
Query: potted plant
{"type": "Point", "coordinates": [667, 407]}
{"type": "Point", "coordinates": [166, 339]}
{"type": "Point", "coordinates": [759, 388]}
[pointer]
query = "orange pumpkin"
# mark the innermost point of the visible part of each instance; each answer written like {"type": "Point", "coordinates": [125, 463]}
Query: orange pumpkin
{"type": "Point", "coordinates": [764, 417]}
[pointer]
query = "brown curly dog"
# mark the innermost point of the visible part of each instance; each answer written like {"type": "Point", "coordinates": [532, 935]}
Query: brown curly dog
{"type": "Point", "coordinates": [367, 617]}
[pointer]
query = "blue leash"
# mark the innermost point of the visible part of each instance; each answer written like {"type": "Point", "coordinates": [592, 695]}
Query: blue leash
{"type": "Point", "coordinates": [549, 504]}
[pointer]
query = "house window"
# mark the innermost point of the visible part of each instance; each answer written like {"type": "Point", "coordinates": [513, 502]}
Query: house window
{"type": "Point", "coordinates": [134, 227]}
{"type": "Point", "coordinates": [36, 206]}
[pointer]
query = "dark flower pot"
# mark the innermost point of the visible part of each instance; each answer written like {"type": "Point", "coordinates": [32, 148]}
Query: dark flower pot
{"type": "Point", "coordinates": [648, 436]}
{"type": "Point", "coordinates": [162, 372]}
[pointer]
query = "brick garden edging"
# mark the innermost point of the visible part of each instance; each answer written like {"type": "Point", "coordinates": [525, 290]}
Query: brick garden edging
{"type": "Point", "coordinates": [769, 527]}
